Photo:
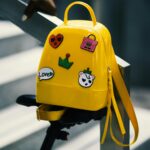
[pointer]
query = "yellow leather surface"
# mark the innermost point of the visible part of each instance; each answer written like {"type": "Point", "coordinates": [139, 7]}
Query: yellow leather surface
{"type": "Point", "coordinates": [64, 89]}
{"type": "Point", "coordinates": [67, 60]}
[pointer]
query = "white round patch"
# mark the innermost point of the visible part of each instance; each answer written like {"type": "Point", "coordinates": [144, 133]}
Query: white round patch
{"type": "Point", "coordinates": [86, 80]}
{"type": "Point", "coordinates": [45, 73]}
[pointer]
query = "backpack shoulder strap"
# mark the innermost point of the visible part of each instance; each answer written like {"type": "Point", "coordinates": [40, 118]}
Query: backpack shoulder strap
{"type": "Point", "coordinates": [122, 91]}
{"type": "Point", "coordinates": [124, 95]}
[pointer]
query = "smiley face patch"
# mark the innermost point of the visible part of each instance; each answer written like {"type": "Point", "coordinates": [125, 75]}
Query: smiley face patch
{"type": "Point", "coordinates": [56, 40]}
{"type": "Point", "coordinates": [86, 78]}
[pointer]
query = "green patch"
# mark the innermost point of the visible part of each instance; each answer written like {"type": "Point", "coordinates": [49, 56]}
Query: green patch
{"type": "Point", "coordinates": [65, 62]}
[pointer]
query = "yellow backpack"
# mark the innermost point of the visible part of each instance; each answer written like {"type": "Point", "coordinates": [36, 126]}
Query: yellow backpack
{"type": "Point", "coordinates": [76, 71]}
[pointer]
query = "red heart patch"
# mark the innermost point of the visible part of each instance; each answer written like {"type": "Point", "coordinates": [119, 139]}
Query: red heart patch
{"type": "Point", "coordinates": [55, 40]}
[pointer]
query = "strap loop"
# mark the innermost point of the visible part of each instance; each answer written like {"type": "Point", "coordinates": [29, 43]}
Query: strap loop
{"type": "Point", "coordinates": [111, 100]}
{"type": "Point", "coordinates": [44, 112]}
{"type": "Point", "coordinates": [122, 91]}
{"type": "Point", "coordinates": [124, 95]}
{"type": "Point", "coordinates": [88, 7]}
{"type": "Point", "coordinates": [121, 88]}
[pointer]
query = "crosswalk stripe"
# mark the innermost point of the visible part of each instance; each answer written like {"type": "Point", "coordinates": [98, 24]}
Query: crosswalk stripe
{"type": "Point", "coordinates": [122, 62]}
{"type": "Point", "coordinates": [83, 139]}
{"type": "Point", "coordinates": [19, 65]}
{"type": "Point", "coordinates": [18, 122]}
{"type": "Point", "coordinates": [53, 19]}
{"type": "Point", "coordinates": [92, 135]}
{"type": "Point", "coordinates": [9, 30]}
{"type": "Point", "coordinates": [143, 120]}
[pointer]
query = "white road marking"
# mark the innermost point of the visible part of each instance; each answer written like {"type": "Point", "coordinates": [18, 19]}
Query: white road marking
{"type": "Point", "coordinates": [9, 30]}
{"type": "Point", "coordinates": [143, 116]}
{"type": "Point", "coordinates": [121, 62]}
{"type": "Point", "coordinates": [18, 122]}
{"type": "Point", "coordinates": [93, 134]}
{"type": "Point", "coordinates": [53, 19]}
{"type": "Point", "coordinates": [19, 65]}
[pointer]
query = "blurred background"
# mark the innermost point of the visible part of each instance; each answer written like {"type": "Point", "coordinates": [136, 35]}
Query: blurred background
{"type": "Point", "coordinates": [129, 24]}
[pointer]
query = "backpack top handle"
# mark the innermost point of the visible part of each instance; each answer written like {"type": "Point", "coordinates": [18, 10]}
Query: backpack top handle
{"type": "Point", "coordinates": [88, 7]}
